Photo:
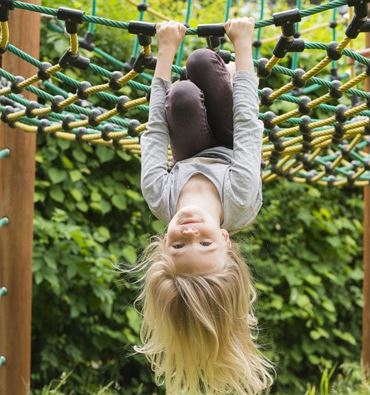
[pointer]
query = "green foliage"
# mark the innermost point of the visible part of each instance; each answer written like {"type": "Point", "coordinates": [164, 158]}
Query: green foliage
{"type": "Point", "coordinates": [306, 254]}
{"type": "Point", "coordinates": [350, 381]}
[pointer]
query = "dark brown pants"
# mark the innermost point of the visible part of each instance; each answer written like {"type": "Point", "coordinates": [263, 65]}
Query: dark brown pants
{"type": "Point", "coordinates": [199, 110]}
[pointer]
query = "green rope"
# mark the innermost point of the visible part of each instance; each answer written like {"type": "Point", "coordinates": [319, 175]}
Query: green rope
{"type": "Point", "coordinates": [93, 12]}
{"type": "Point", "coordinates": [124, 25]}
{"type": "Point", "coordinates": [2, 360]}
{"type": "Point", "coordinates": [3, 221]}
{"type": "Point", "coordinates": [3, 291]}
{"type": "Point", "coordinates": [259, 31]}
{"type": "Point", "coordinates": [4, 153]}
{"type": "Point", "coordinates": [180, 52]}
{"type": "Point", "coordinates": [295, 54]}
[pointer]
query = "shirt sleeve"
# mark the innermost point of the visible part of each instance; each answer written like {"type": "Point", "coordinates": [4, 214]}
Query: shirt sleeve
{"type": "Point", "coordinates": [245, 172]}
{"type": "Point", "coordinates": [154, 148]}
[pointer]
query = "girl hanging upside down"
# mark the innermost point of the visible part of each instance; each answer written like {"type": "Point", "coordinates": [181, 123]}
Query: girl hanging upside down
{"type": "Point", "coordinates": [198, 322]}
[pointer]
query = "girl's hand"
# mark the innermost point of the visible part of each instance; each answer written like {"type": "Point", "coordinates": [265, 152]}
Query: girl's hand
{"type": "Point", "coordinates": [240, 31]}
{"type": "Point", "coordinates": [169, 35]}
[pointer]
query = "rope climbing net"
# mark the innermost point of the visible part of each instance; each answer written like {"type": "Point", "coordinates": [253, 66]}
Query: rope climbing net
{"type": "Point", "coordinates": [330, 150]}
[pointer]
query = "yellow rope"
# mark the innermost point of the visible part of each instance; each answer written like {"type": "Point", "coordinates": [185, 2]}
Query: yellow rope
{"type": "Point", "coordinates": [4, 30]}
{"type": "Point", "coordinates": [73, 40]}
{"type": "Point", "coordinates": [150, 10]}
{"type": "Point", "coordinates": [272, 62]}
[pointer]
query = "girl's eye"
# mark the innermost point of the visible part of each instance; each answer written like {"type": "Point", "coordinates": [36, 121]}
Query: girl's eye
{"type": "Point", "coordinates": [205, 243]}
{"type": "Point", "coordinates": [177, 246]}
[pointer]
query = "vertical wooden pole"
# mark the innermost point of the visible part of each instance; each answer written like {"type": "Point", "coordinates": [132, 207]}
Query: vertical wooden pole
{"type": "Point", "coordinates": [366, 311]}
{"type": "Point", "coordinates": [17, 174]}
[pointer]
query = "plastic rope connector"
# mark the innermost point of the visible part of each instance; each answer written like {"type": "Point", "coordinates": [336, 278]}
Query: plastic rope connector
{"type": "Point", "coordinates": [87, 41]}
{"type": "Point", "coordinates": [131, 129]}
{"type": "Point", "coordinates": [42, 74]}
{"type": "Point", "coordinates": [5, 7]}
{"type": "Point", "coordinates": [69, 59]}
{"type": "Point", "coordinates": [71, 17]}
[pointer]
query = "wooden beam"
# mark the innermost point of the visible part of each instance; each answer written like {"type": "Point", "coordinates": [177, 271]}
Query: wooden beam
{"type": "Point", "coordinates": [366, 243]}
{"type": "Point", "coordinates": [17, 173]}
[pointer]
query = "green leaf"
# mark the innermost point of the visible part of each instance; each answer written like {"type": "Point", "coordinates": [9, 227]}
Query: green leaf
{"type": "Point", "coordinates": [104, 154]}
{"type": "Point", "coordinates": [57, 194]}
{"type": "Point", "coordinates": [120, 202]}
{"type": "Point", "coordinates": [129, 253]}
{"type": "Point", "coordinates": [75, 175]}
{"type": "Point", "coordinates": [77, 195]}
{"type": "Point", "coordinates": [56, 175]}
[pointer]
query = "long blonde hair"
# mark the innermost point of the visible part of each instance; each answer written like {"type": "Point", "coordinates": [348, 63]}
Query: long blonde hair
{"type": "Point", "coordinates": [197, 330]}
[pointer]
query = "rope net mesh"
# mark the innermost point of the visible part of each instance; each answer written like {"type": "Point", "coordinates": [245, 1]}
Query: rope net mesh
{"type": "Point", "coordinates": [329, 149]}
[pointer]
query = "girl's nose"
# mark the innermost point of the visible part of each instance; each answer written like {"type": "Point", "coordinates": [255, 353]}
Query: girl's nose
{"type": "Point", "coordinates": [190, 232]}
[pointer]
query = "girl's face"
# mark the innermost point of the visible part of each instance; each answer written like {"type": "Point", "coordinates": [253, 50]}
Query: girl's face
{"type": "Point", "coordinates": [195, 241]}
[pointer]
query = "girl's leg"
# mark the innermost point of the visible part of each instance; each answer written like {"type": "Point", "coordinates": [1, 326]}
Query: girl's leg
{"type": "Point", "coordinates": [187, 120]}
{"type": "Point", "coordinates": [208, 71]}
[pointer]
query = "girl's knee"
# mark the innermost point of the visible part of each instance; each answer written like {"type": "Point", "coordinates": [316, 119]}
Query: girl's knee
{"type": "Point", "coordinates": [201, 59]}
{"type": "Point", "coordinates": [183, 95]}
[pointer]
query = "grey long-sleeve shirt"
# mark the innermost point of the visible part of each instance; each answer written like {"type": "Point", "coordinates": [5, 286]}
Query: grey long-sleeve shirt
{"type": "Point", "coordinates": [236, 173]}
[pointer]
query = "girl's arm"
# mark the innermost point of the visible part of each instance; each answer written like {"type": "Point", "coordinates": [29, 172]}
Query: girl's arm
{"type": "Point", "coordinates": [154, 142]}
{"type": "Point", "coordinates": [245, 176]}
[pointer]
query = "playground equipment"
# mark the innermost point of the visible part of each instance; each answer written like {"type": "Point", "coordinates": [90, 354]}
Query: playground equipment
{"type": "Point", "coordinates": [331, 151]}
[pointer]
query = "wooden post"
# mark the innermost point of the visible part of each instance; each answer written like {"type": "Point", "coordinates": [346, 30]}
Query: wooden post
{"type": "Point", "coordinates": [366, 310]}
{"type": "Point", "coordinates": [17, 174]}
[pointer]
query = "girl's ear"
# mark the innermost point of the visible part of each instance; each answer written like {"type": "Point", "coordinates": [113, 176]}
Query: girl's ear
{"type": "Point", "coordinates": [226, 236]}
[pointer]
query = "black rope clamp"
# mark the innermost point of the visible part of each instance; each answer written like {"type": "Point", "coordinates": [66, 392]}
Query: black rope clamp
{"type": "Point", "coordinates": [14, 84]}
{"type": "Point", "coordinates": [68, 59]}
{"type": "Point", "coordinates": [93, 117]}
{"type": "Point", "coordinates": [265, 96]}
{"type": "Point", "coordinates": [55, 105]}
{"type": "Point", "coordinates": [332, 52]}
{"type": "Point", "coordinates": [4, 115]}
{"type": "Point", "coordinates": [87, 41]}
{"type": "Point", "coordinates": [145, 28]}
{"type": "Point", "coordinates": [131, 129]}
{"type": "Point", "coordinates": [31, 106]}
{"type": "Point", "coordinates": [72, 18]}
{"type": "Point", "coordinates": [338, 133]}
{"type": "Point", "coordinates": [262, 71]}
{"type": "Point", "coordinates": [66, 122]}
{"type": "Point", "coordinates": [297, 79]}
{"type": "Point", "coordinates": [81, 90]}
{"type": "Point", "coordinates": [44, 123]}
{"type": "Point", "coordinates": [303, 107]}
{"type": "Point", "coordinates": [120, 106]}
{"type": "Point", "coordinates": [269, 116]}
{"type": "Point", "coordinates": [257, 43]}
{"type": "Point", "coordinates": [213, 42]}
{"type": "Point", "coordinates": [5, 7]}
{"type": "Point", "coordinates": [108, 128]}
{"type": "Point", "coordinates": [79, 133]}
{"type": "Point", "coordinates": [143, 61]}
{"type": "Point", "coordinates": [142, 7]}
{"type": "Point", "coordinates": [334, 91]}
{"type": "Point", "coordinates": [305, 129]}
{"type": "Point", "coordinates": [42, 74]}
{"type": "Point", "coordinates": [113, 82]}
{"type": "Point", "coordinates": [340, 113]}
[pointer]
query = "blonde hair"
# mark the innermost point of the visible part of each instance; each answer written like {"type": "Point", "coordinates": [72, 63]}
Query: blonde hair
{"type": "Point", "coordinates": [197, 330]}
